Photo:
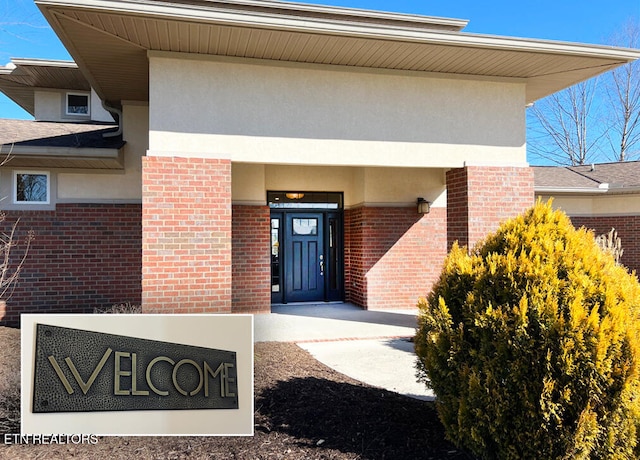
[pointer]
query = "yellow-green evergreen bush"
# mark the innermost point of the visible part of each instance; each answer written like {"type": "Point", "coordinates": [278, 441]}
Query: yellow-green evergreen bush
{"type": "Point", "coordinates": [530, 342]}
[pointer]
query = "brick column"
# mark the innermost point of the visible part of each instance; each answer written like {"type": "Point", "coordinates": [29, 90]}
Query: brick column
{"type": "Point", "coordinates": [251, 259]}
{"type": "Point", "coordinates": [479, 198]}
{"type": "Point", "coordinates": [186, 235]}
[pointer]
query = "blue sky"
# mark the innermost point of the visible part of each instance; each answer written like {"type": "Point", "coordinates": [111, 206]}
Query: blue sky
{"type": "Point", "coordinates": [25, 33]}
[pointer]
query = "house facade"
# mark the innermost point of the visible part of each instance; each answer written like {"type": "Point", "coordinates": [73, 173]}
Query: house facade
{"type": "Point", "coordinates": [277, 152]}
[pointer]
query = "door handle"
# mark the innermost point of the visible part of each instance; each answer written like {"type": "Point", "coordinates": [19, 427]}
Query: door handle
{"type": "Point", "coordinates": [321, 265]}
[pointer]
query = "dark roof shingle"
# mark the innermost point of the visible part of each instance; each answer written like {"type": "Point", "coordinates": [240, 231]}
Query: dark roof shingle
{"type": "Point", "coordinates": [28, 133]}
{"type": "Point", "coordinates": [618, 175]}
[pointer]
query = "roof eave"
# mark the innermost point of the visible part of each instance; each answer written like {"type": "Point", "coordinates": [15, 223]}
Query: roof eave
{"type": "Point", "coordinates": [66, 157]}
{"type": "Point", "coordinates": [571, 190]}
{"type": "Point", "coordinates": [63, 63]}
{"type": "Point", "coordinates": [343, 27]}
{"type": "Point", "coordinates": [338, 22]}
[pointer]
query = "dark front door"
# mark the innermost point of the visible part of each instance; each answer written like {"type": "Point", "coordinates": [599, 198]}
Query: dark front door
{"type": "Point", "coordinates": [304, 257]}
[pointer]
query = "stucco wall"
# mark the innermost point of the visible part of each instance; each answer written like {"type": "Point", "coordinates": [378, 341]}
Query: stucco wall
{"type": "Point", "coordinates": [597, 205]}
{"type": "Point", "coordinates": [264, 112]}
{"type": "Point", "coordinates": [74, 186]}
{"type": "Point", "coordinates": [98, 113]}
{"type": "Point", "coordinates": [49, 105]}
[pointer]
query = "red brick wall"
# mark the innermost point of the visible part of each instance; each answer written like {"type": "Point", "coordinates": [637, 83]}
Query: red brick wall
{"type": "Point", "coordinates": [83, 256]}
{"type": "Point", "coordinates": [480, 197]}
{"type": "Point", "coordinates": [355, 282]}
{"type": "Point", "coordinates": [251, 261]}
{"type": "Point", "coordinates": [392, 255]}
{"type": "Point", "coordinates": [627, 228]}
{"type": "Point", "coordinates": [186, 235]}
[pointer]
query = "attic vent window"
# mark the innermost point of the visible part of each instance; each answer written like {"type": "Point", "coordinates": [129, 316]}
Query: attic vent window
{"type": "Point", "coordinates": [77, 104]}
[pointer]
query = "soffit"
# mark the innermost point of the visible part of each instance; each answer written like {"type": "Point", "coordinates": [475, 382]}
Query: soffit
{"type": "Point", "coordinates": [109, 40]}
{"type": "Point", "coordinates": [22, 77]}
{"type": "Point", "coordinates": [65, 159]}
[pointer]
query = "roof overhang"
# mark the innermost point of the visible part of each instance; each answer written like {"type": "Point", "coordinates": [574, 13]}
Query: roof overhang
{"type": "Point", "coordinates": [20, 78]}
{"type": "Point", "coordinates": [604, 189]}
{"type": "Point", "coordinates": [62, 157]}
{"type": "Point", "coordinates": [109, 39]}
{"type": "Point", "coordinates": [27, 143]}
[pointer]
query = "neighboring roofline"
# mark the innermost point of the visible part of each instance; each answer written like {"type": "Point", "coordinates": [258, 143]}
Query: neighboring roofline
{"type": "Point", "coordinates": [344, 27]}
{"type": "Point", "coordinates": [571, 190]}
{"type": "Point", "coordinates": [603, 189]}
{"type": "Point", "coordinates": [604, 183]}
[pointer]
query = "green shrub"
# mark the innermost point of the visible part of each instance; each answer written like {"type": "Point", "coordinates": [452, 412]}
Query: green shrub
{"type": "Point", "coordinates": [530, 343]}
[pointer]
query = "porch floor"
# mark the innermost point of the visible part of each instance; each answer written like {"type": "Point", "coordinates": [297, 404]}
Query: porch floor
{"type": "Point", "coordinates": [370, 346]}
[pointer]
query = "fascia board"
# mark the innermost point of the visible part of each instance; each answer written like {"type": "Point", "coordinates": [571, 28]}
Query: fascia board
{"type": "Point", "coordinates": [570, 190]}
{"type": "Point", "coordinates": [130, 6]}
{"type": "Point", "coordinates": [79, 153]}
{"type": "Point", "coordinates": [44, 62]}
{"type": "Point", "coordinates": [64, 157]}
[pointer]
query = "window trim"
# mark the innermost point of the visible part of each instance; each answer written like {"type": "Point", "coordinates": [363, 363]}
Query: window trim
{"type": "Point", "coordinates": [33, 172]}
{"type": "Point", "coordinates": [76, 114]}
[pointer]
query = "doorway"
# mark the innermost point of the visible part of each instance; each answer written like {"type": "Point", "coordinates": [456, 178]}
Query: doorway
{"type": "Point", "coordinates": [307, 255]}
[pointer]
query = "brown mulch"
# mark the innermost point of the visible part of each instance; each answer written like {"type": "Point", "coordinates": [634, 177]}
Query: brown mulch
{"type": "Point", "coordinates": [303, 410]}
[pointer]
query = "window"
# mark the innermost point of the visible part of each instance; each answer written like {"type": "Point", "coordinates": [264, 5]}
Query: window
{"type": "Point", "coordinates": [305, 227]}
{"type": "Point", "coordinates": [31, 187]}
{"type": "Point", "coordinates": [77, 104]}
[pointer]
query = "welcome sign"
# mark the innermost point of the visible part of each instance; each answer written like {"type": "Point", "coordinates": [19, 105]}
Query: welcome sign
{"type": "Point", "coordinates": [83, 371]}
{"type": "Point", "coordinates": [134, 374]}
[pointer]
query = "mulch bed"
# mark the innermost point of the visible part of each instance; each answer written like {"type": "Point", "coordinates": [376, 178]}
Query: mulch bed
{"type": "Point", "coordinates": [303, 410]}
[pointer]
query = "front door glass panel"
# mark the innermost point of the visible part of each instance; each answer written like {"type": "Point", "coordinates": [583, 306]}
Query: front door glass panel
{"type": "Point", "coordinates": [304, 227]}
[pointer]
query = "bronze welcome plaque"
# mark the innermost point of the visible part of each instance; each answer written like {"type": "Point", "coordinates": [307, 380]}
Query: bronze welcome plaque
{"type": "Point", "coordinates": [84, 371]}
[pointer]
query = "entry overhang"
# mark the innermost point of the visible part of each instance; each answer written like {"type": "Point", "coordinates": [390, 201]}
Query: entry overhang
{"type": "Point", "coordinates": [109, 40]}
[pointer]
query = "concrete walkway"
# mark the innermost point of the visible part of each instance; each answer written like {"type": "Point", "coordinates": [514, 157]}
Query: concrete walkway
{"type": "Point", "coordinates": [369, 346]}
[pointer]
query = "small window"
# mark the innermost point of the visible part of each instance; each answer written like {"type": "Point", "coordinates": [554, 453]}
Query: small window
{"type": "Point", "coordinates": [77, 104]}
{"type": "Point", "coordinates": [31, 187]}
{"type": "Point", "coordinates": [305, 227]}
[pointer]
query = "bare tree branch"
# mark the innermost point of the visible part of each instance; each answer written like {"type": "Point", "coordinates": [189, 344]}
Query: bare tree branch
{"type": "Point", "coordinates": [562, 127]}
{"type": "Point", "coordinates": [623, 95]}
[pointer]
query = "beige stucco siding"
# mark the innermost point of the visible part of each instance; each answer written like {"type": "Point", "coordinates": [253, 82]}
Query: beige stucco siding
{"type": "Point", "coordinates": [371, 186]}
{"type": "Point", "coordinates": [98, 113]}
{"type": "Point", "coordinates": [263, 112]}
{"type": "Point", "coordinates": [50, 105]}
{"type": "Point", "coordinates": [598, 205]}
{"type": "Point", "coordinates": [113, 185]}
